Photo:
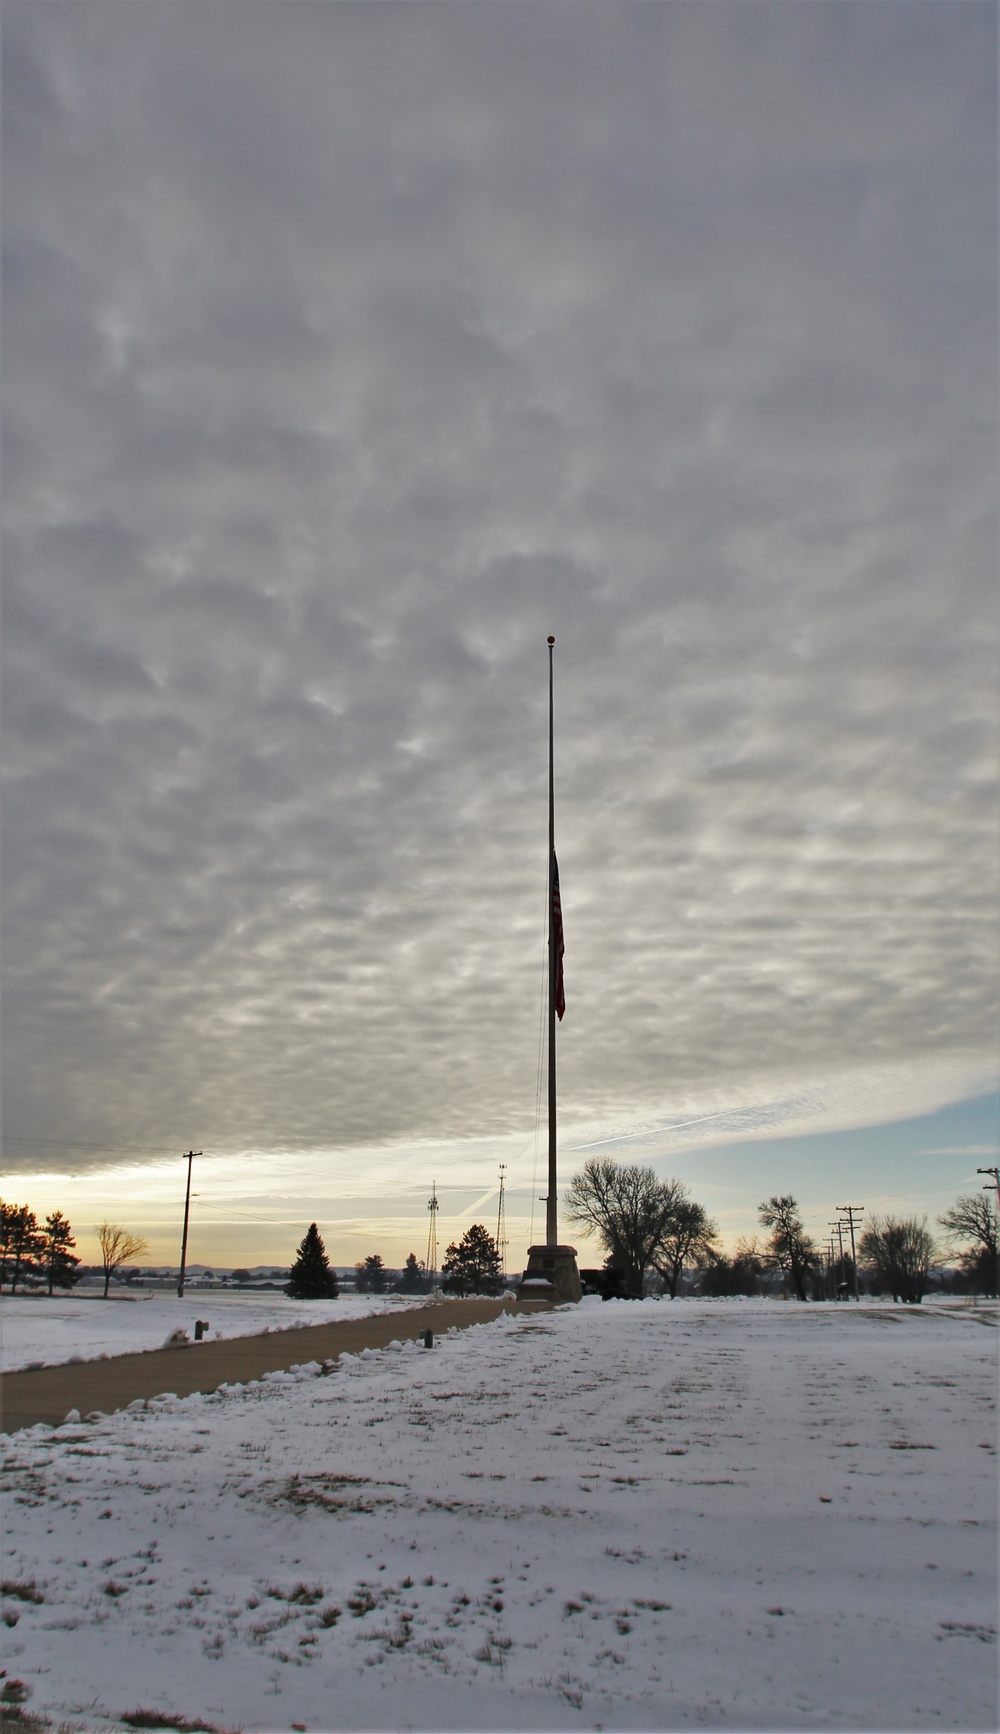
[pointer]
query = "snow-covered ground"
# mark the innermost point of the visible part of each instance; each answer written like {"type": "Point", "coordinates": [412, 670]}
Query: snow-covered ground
{"type": "Point", "coordinates": [748, 1515]}
{"type": "Point", "coordinates": [44, 1330]}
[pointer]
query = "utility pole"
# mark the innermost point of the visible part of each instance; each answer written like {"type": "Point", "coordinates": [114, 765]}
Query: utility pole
{"type": "Point", "coordinates": [988, 1188]}
{"type": "Point", "coordinates": [851, 1211]}
{"type": "Point", "coordinates": [839, 1226]}
{"type": "Point", "coordinates": [188, 1158]}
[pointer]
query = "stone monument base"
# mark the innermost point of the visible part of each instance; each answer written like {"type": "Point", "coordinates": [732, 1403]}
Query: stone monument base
{"type": "Point", "coordinates": [551, 1275]}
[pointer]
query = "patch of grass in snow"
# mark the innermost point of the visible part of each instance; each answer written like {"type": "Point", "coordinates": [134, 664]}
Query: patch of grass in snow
{"type": "Point", "coordinates": [393, 1640]}
{"type": "Point", "coordinates": [307, 1595]}
{"type": "Point", "coordinates": [164, 1719]}
{"type": "Point", "coordinates": [14, 1716]}
{"type": "Point", "coordinates": [265, 1629]}
{"type": "Point", "coordinates": [24, 1592]}
{"type": "Point", "coordinates": [328, 1492]}
{"type": "Point", "coordinates": [961, 1629]}
{"type": "Point", "coordinates": [494, 1650]}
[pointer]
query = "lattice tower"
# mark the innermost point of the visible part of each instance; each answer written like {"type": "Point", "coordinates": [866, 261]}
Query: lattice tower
{"type": "Point", "coordinates": [430, 1262]}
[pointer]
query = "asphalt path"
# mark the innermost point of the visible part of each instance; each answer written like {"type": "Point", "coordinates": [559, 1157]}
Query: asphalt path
{"type": "Point", "coordinates": [50, 1393]}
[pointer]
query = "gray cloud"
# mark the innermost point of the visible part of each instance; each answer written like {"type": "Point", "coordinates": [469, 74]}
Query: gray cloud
{"type": "Point", "coordinates": [349, 351]}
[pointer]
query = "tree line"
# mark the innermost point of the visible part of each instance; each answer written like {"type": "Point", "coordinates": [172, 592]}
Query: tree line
{"type": "Point", "coordinates": [649, 1228]}
{"type": "Point", "coordinates": [470, 1266]}
{"type": "Point", "coordinates": [40, 1255]}
{"type": "Point", "coordinates": [653, 1228]}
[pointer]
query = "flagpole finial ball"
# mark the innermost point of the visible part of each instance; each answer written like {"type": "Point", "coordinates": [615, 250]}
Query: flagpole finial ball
{"type": "Point", "coordinates": [551, 640]}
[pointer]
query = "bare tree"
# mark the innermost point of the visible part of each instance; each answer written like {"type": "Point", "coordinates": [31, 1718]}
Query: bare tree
{"type": "Point", "coordinates": [689, 1238]}
{"type": "Point", "coordinates": [629, 1208]}
{"type": "Point", "coordinates": [901, 1253]}
{"type": "Point", "coordinates": [789, 1247]}
{"type": "Point", "coordinates": [118, 1246]}
{"type": "Point", "coordinates": [973, 1220]}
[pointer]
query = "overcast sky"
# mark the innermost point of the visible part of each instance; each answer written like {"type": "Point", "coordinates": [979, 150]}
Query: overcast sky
{"type": "Point", "coordinates": [351, 349]}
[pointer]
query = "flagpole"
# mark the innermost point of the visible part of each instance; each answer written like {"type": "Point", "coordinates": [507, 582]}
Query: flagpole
{"type": "Point", "coordinates": [551, 1274]}
{"type": "Point", "coordinates": [551, 1233]}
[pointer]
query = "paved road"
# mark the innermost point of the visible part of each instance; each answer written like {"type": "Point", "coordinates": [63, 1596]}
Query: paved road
{"type": "Point", "coordinates": [49, 1393]}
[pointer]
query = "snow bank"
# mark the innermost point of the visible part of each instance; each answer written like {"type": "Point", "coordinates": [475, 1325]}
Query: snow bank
{"type": "Point", "coordinates": [43, 1330]}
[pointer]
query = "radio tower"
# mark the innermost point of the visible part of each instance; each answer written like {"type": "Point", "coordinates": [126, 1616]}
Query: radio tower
{"type": "Point", "coordinates": [502, 1224]}
{"type": "Point", "coordinates": [430, 1262]}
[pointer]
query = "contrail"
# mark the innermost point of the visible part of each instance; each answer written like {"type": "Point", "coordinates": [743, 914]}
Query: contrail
{"type": "Point", "coordinates": [477, 1203]}
{"type": "Point", "coordinates": [622, 1137]}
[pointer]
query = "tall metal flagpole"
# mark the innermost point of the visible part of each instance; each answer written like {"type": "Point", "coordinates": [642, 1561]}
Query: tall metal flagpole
{"type": "Point", "coordinates": [551, 1233]}
{"type": "Point", "coordinates": [551, 1273]}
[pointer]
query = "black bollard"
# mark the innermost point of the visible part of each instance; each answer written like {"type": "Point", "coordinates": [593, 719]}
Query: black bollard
{"type": "Point", "coordinates": [200, 1327]}
{"type": "Point", "coordinates": [428, 1339]}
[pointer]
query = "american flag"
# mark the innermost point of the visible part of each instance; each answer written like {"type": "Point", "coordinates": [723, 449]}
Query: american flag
{"type": "Point", "coordinates": [557, 940]}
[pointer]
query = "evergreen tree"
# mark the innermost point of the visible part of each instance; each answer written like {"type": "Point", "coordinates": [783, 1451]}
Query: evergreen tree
{"type": "Point", "coordinates": [413, 1278]}
{"type": "Point", "coordinates": [736, 1275]}
{"type": "Point", "coordinates": [473, 1266]}
{"type": "Point", "coordinates": [369, 1276]}
{"type": "Point", "coordinates": [21, 1244]}
{"type": "Point", "coordinates": [59, 1262]}
{"type": "Point", "coordinates": [310, 1277]}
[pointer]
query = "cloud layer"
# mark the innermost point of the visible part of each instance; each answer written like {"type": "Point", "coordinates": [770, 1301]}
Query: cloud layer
{"type": "Point", "coordinates": [349, 351]}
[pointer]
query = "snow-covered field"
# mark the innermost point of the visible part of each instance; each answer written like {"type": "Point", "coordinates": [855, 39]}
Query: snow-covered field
{"type": "Point", "coordinates": [747, 1515]}
{"type": "Point", "coordinates": [43, 1330]}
